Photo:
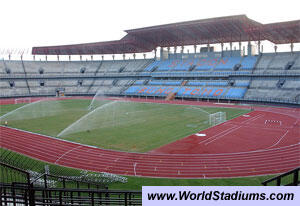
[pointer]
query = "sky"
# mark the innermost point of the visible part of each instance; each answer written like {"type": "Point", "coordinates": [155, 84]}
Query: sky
{"type": "Point", "coordinates": [27, 23]}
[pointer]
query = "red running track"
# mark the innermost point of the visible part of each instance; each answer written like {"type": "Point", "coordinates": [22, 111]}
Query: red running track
{"type": "Point", "coordinates": [265, 142]}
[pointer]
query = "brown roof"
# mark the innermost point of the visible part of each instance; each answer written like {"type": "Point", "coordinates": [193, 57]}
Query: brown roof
{"type": "Point", "coordinates": [213, 30]}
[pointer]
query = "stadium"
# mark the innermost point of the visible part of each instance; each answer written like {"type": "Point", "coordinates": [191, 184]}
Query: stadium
{"type": "Point", "coordinates": [209, 107]}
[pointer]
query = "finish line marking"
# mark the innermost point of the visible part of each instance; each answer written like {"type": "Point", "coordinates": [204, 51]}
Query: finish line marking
{"type": "Point", "coordinates": [134, 170]}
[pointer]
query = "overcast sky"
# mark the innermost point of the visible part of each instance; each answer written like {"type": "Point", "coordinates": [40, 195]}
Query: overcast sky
{"type": "Point", "coordinates": [27, 23]}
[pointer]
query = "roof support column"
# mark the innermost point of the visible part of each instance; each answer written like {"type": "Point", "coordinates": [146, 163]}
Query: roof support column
{"type": "Point", "coordinates": [168, 48]}
{"type": "Point", "coordinates": [92, 57]}
{"type": "Point", "coordinates": [102, 57]}
{"type": "Point", "coordinates": [46, 57]}
{"type": "Point", "coordinates": [182, 49]}
{"type": "Point", "coordinates": [249, 48]}
{"type": "Point", "coordinates": [230, 48]}
{"type": "Point", "coordinates": [161, 53]}
{"type": "Point", "coordinates": [69, 58]}
{"type": "Point", "coordinates": [33, 57]}
{"type": "Point", "coordinates": [275, 48]}
{"type": "Point", "coordinates": [195, 48]}
{"type": "Point", "coordinates": [80, 57]}
{"type": "Point", "coordinates": [57, 57]}
{"type": "Point", "coordinates": [208, 47]}
{"type": "Point", "coordinates": [222, 49]}
{"type": "Point", "coordinates": [292, 47]}
{"type": "Point", "coordinates": [113, 57]}
{"type": "Point", "coordinates": [155, 50]}
{"type": "Point", "coordinates": [134, 55]}
{"type": "Point", "coordinates": [144, 55]}
{"type": "Point", "coordinates": [259, 43]}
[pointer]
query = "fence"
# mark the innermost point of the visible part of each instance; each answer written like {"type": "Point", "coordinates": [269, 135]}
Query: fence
{"type": "Point", "coordinates": [290, 178]}
{"type": "Point", "coordinates": [17, 187]}
{"type": "Point", "coordinates": [23, 194]}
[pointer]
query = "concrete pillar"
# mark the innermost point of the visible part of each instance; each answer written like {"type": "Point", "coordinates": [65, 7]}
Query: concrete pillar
{"type": "Point", "coordinates": [102, 57]}
{"type": "Point", "coordinates": [168, 48]}
{"type": "Point", "coordinates": [292, 47]}
{"type": "Point", "coordinates": [123, 56]}
{"type": "Point", "coordinates": [249, 48]}
{"type": "Point", "coordinates": [144, 56]}
{"type": "Point", "coordinates": [113, 57]}
{"type": "Point", "coordinates": [161, 53]}
{"type": "Point", "coordinates": [222, 49]}
{"type": "Point", "coordinates": [195, 49]}
{"type": "Point", "coordinates": [92, 57]}
{"type": "Point", "coordinates": [69, 57]}
{"type": "Point", "coordinates": [275, 48]}
{"type": "Point", "coordinates": [134, 55]}
{"type": "Point", "coordinates": [80, 57]}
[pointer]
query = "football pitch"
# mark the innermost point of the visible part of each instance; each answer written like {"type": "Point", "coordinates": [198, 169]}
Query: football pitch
{"type": "Point", "coordinates": [117, 125]}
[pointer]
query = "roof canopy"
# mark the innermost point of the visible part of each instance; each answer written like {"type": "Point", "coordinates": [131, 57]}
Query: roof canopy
{"type": "Point", "coordinates": [215, 30]}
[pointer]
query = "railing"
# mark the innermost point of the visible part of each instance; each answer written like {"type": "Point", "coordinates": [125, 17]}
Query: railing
{"type": "Point", "coordinates": [192, 74]}
{"type": "Point", "coordinates": [19, 187]}
{"type": "Point", "coordinates": [28, 195]}
{"type": "Point", "coordinates": [24, 69]}
{"type": "Point", "coordinates": [9, 174]}
{"type": "Point", "coordinates": [291, 177]}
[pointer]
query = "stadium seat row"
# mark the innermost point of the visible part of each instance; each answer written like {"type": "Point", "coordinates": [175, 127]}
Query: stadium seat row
{"type": "Point", "coordinates": [187, 91]}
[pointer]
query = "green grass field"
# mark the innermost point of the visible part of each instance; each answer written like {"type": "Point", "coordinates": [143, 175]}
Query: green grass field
{"type": "Point", "coordinates": [138, 127]}
{"type": "Point", "coordinates": [126, 126]}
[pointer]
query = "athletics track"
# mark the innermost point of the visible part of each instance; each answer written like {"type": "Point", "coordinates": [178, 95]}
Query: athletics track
{"type": "Point", "coordinates": [264, 141]}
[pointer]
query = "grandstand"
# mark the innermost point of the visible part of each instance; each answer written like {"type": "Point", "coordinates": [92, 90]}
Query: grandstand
{"type": "Point", "coordinates": [258, 78]}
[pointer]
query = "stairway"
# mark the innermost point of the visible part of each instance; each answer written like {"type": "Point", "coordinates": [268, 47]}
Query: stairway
{"type": "Point", "coordinates": [94, 79]}
{"type": "Point", "coordinates": [145, 65]}
{"type": "Point", "coordinates": [256, 63]}
{"type": "Point", "coordinates": [25, 73]}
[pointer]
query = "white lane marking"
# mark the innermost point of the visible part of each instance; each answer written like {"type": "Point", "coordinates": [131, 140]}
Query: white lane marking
{"type": "Point", "coordinates": [218, 137]}
{"type": "Point", "coordinates": [278, 140]}
{"type": "Point", "coordinates": [67, 152]}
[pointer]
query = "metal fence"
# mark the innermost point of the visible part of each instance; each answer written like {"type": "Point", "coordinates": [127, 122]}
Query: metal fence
{"type": "Point", "coordinates": [23, 194]}
{"type": "Point", "coordinates": [290, 178]}
{"type": "Point", "coordinates": [17, 187]}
